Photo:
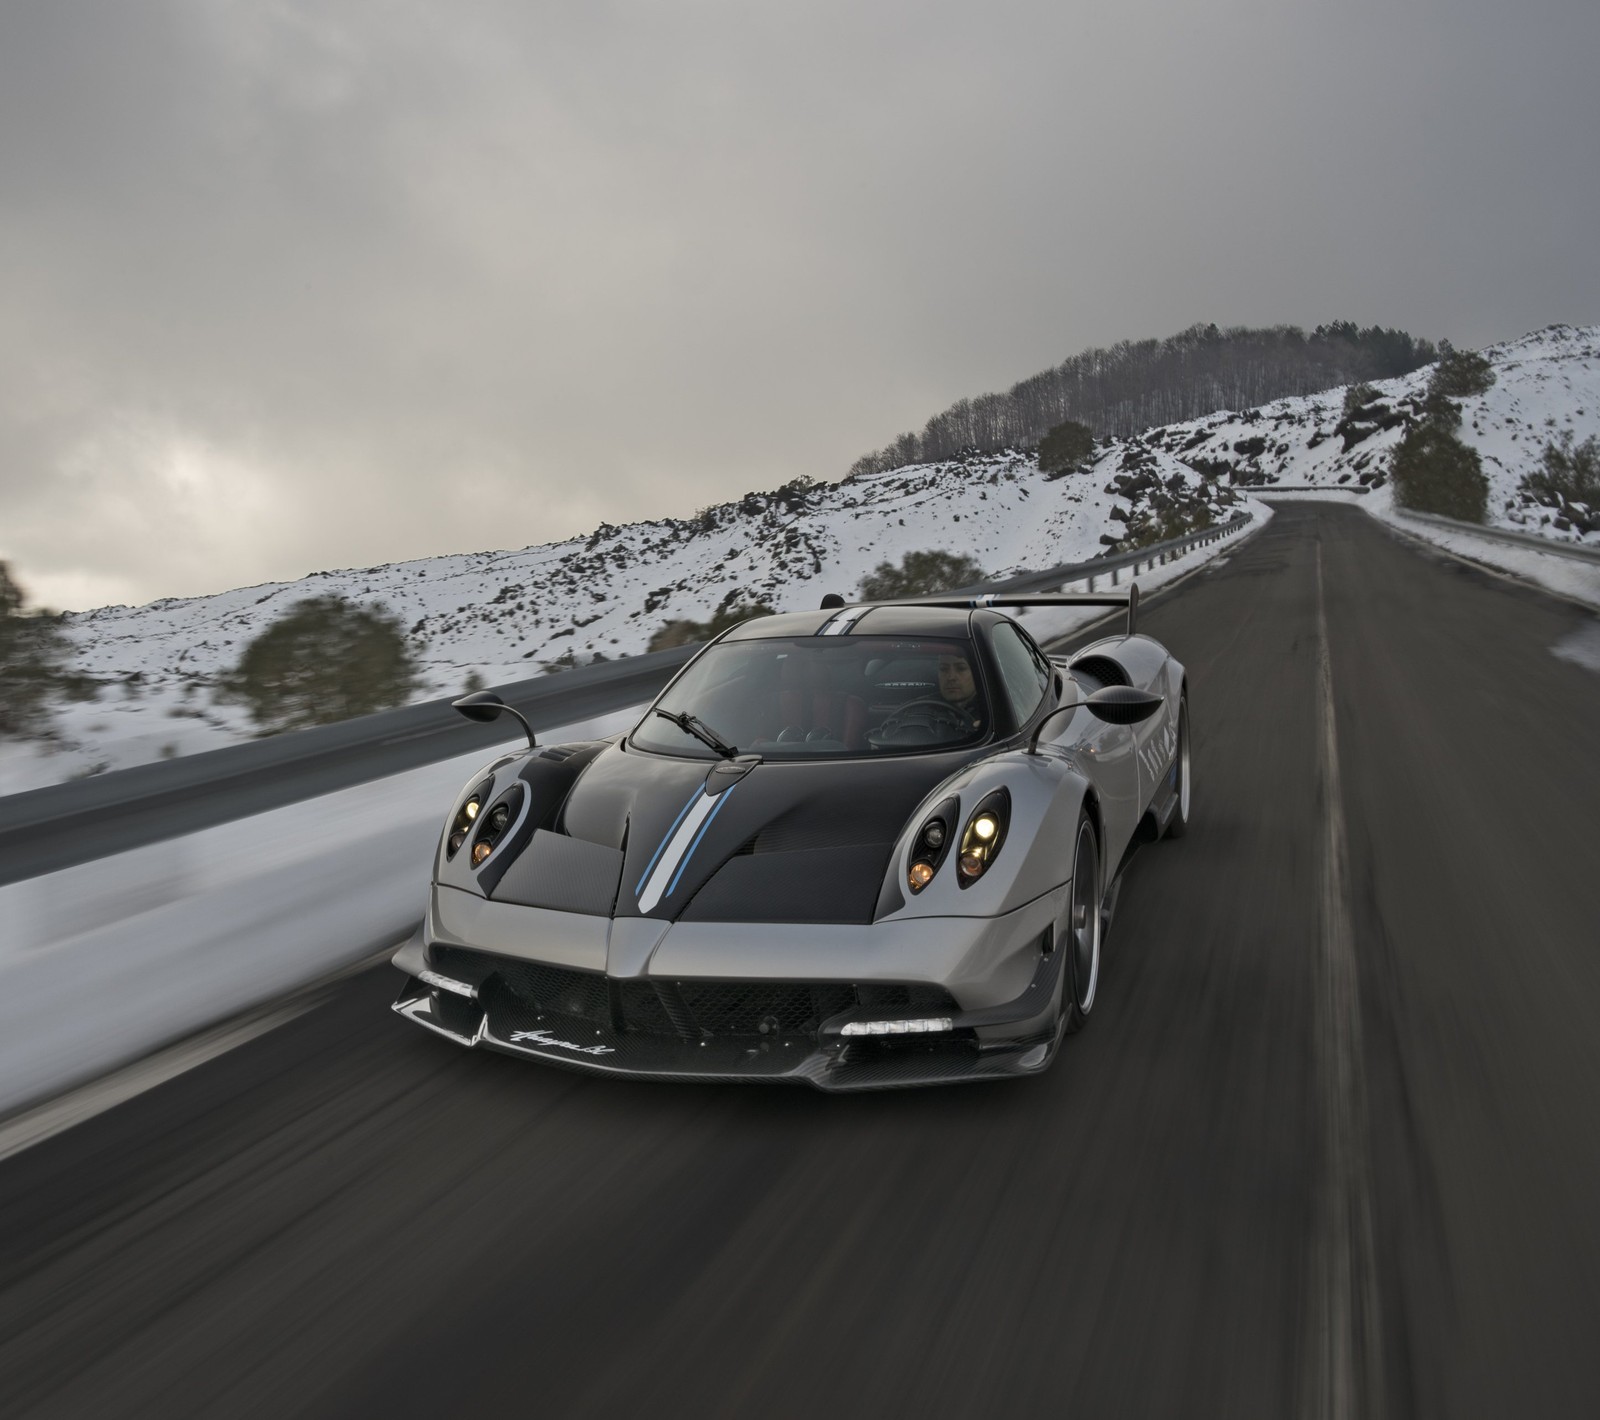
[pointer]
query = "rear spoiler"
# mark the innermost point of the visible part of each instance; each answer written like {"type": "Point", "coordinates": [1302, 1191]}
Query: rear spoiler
{"type": "Point", "coordinates": [1000, 600]}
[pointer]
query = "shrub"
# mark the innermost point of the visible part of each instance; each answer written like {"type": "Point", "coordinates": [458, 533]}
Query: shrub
{"type": "Point", "coordinates": [1154, 525]}
{"type": "Point", "coordinates": [1067, 448]}
{"type": "Point", "coordinates": [1440, 411]}
{"type": "Point", "coordinates": [326, 660]}
{"type": "Point", "coordinates": [685, 633]}
{"type": "Point", "coordinates": [33, 649]}
{"type": "Point", "coordinates": [1357, 398]}
{"type": "Point", "coordinates": [1434, 472]}
{"type": "Point", "coordinates": [676, 633]}
{"type": "Point", "coordinates": [1571, 472]}
{"type": "Point", "coordinates": [1461, 373]}
{"type": "Point", "coordinates": [920, 574]}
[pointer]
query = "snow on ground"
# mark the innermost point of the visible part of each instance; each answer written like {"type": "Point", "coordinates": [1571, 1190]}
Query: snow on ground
{"type": "Point", "coordinates": [121, 730]}
{"type": "Point", "coordinates": [1565, 575]}
{"type": "Point", "coordinates": [508, 615]}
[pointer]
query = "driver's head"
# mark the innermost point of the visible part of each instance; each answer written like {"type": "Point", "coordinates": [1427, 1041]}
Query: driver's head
{"type": "Point", "coordinates": [955, 678]}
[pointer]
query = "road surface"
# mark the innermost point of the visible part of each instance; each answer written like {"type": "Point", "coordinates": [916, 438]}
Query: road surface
{"type": "Point", "coordinates": [1329, 1146]}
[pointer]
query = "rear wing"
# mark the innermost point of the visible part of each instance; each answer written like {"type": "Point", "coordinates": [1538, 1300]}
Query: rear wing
{"type": "Point", "coordinates": [1002, 600]}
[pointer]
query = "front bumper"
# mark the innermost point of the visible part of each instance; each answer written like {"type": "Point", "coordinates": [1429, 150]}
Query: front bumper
{"type": "Point", "coordinates": [730, 1030]}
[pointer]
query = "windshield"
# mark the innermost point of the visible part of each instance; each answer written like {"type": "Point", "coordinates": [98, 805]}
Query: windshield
{"type": "Point", "coordinates": [835, 696]}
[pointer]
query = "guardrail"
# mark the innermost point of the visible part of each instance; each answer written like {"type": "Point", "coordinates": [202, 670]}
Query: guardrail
{"type": "Point", "coordinates": [1504, 535]}
{"type": "Point", "coordinates": [1154, 555]}
{"type": "Point", "coordinates": [1259, 488]}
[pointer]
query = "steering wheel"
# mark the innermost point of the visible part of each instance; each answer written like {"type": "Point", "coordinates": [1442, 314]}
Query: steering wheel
{"type": "Point", "coordinates": [928, 721]}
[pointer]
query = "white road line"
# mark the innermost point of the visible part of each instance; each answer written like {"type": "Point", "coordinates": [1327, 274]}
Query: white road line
{"type": "Point", "coordinates": [44, 1121]}
{"type": "Point", "coordinates": [1344, 1371]}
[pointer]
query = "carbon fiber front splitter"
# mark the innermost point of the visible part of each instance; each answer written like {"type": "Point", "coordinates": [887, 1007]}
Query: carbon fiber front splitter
{"type": "Point", "coordinates": [827, 1059]}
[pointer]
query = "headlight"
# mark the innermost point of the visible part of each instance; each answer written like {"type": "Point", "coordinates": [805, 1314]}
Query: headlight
{"type": "Point", "coordinates": [982, 838]}
{"type": "Point", "coordinates": [465, 817]}
{"type": "Point", "coordinates": [932, 842]}
{"type": "Point", "coordinates": [494, 822]}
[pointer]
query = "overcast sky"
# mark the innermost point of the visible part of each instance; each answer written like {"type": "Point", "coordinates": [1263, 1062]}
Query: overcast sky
{"type": "Point", "coordinates": [288, 285]}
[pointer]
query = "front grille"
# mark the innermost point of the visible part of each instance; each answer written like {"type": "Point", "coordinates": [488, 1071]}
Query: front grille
{"type": "Point", "coordinates": [763, 1008]}
{"type": "Point", "coordinates": [519, 994]}
{"type": "Point", "coordinates": [642, 1010]}
{"type": "Point", "coordinates": [558, 990]}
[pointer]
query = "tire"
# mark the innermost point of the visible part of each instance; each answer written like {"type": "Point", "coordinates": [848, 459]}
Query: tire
{"type": "Point", "coordinates": [1080, 973]}
{"type": "Point", "coordinates": [1179, 824]}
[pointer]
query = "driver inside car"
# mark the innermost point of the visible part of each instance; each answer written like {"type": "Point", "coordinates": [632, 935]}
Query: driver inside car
{"type": "Point", "coordinates": [959, 687]}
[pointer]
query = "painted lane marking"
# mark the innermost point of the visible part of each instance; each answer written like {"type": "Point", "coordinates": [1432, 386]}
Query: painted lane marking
{"type": "Point", "coordinates": [1343, 1380]}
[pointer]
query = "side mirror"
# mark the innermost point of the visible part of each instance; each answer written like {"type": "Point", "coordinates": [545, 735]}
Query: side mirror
{"type": "Point", "coordinates": [484, 706]}
{"type": "Point", "coordinates": [481, 705]}
{"type": "Point", "coordinates": [1122, 705]}
{"type": "Point", "coordinates": [1067, 689]}
{"type": "Point", "coordinates": [832, 602]}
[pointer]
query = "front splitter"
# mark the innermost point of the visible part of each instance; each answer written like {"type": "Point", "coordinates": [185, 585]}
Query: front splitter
{"type": "Point", "coordinates": [836, 1066]}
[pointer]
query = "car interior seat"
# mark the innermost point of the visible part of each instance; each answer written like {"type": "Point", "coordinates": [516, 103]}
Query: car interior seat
{"type": "Point", "coordinates": [807, 701]}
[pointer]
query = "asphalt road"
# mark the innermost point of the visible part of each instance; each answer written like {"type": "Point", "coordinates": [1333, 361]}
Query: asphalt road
{"type": "Point", "coordinates": [1237, 1160]}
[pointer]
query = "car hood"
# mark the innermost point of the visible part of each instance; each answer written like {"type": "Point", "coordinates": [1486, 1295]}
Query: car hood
{"type": "Point", "coordinates": [785, 841]}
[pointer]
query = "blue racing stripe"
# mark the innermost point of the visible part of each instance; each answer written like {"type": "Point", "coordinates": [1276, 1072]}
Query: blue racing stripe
{"type": "Point", "coordinates": [726, 795]}
{"type": "Point", "coordinates": [662, 846]}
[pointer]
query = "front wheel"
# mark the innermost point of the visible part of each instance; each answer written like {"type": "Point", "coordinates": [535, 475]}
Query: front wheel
{"type": "Point", "coordinates": [1085, 926]}
{"type": "Point", "coordinates": [1179, 823]}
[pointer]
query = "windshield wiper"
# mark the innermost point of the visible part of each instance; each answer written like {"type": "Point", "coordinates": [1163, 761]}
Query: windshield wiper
{"type": "Point", "coordinates": [694, 725]}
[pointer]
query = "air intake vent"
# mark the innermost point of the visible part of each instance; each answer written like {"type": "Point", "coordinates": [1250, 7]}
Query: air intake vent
{"type": "Point", "coordinates": [1102, 669]}
{"type": "Point", "coordinates": [555, 752]}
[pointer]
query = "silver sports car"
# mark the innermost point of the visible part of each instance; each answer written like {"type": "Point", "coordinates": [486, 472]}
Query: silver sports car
{"type": "Point", "coordinates": [866, 846]}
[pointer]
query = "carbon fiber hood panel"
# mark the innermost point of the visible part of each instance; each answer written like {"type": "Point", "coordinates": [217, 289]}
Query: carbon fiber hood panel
{"type": "Point", "coordinates": [782, 842]}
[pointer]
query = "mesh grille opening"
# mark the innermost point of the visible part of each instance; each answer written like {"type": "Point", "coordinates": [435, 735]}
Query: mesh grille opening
{"type": "Point", "coordinates": [1102, 669]}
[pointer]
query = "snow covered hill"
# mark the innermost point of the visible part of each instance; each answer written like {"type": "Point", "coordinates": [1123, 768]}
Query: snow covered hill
{"type": "Point", "coordinates": [510, 614]}
{"type": "Point", "coordinates": [1545, 383]}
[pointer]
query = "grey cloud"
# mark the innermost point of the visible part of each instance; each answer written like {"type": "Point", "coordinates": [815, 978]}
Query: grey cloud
{"type": "Point", "coordinates": [320, 284]}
